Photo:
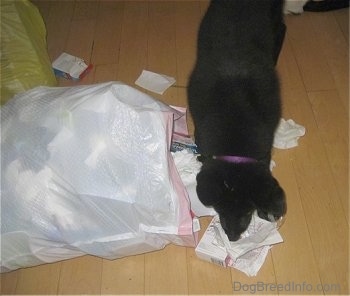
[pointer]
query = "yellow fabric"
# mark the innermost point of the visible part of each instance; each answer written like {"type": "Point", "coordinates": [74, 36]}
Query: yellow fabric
{"type": "Point", "coordinates": [24, 59]}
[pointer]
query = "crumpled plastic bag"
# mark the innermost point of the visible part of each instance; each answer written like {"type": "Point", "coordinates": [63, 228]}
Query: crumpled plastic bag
{"type": "Point", "coordinates": [25, 62]}
{"type": "Point", "coordinates": [87, 170]}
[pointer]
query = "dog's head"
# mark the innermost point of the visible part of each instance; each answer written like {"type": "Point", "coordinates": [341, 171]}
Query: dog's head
{"type": "Point", "coordinates": [235, 191]}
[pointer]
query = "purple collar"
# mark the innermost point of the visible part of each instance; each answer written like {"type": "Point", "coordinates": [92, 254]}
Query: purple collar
{"type": "Point", "coordinates": [235, 159]}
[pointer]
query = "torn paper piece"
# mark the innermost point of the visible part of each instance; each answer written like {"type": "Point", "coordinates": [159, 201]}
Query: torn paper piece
{"type": "Point", "coordinates": [259, 233]}
{"type": "Point", "coordinates": [287, 134]}
{"type": "Point", "coordinates": [70, 67]}
{"type": "Point", "coordinates": [209, 250]}
{"type": "Point", "coordinates": [157, 83]}
{"type": "Point", "coordinates": [251, 262]}
{"type": "Point", "coordinates": [248, 253]}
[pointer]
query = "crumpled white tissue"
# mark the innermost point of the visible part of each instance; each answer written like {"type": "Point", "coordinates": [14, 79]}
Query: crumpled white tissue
{"type": "Point", "coordinates": [155, 82]}
{"type": "Point", "coordinates": [294, 6]}
{"type": "Point", "coordinates": [287, 134]}
{"type": "Point", "coordinates": [188, 167]}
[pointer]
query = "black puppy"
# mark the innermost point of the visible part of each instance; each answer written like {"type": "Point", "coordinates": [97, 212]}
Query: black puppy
{"type": "Point", "coordinates": [234, 100]}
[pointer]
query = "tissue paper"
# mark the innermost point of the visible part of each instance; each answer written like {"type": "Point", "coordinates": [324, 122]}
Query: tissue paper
{"type": "Point", "coordinates": [287, 134]}
{"type": "Point", "coordinates": [155, 82]}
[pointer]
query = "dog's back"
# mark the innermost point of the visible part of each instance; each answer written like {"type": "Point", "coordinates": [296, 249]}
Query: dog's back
{"type": "Point", "coordinates": [233, 91]}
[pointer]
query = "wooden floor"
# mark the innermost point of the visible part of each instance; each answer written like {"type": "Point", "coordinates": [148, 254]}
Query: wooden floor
{"type": "Point", "coordinates": [121, 38]}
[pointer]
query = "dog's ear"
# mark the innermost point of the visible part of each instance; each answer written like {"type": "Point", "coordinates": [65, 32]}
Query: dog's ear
{"type": "Point", "coordinates": [210, 187]}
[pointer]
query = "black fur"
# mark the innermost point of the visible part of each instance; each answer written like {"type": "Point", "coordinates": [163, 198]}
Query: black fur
{"type": "Point", "coordinates": [234, 100]}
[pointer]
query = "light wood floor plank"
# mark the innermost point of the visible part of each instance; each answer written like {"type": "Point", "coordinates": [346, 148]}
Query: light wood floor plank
{"type": "Point", "coordinates": [133, 50]}
{"type": "Point", "coordinates": [344, 95]}
{"type": "Point", "coordinates": [287, 68]}
{"type": "Point", "coordinates": [58, 26]}
{"type": "Point", "coordinates": [85, 9]}
{"type": "Point", "coordinates": [105, 72]}
{"type": "Point", "coordinates": [187, 19]}
{"type": "Point", "coordinates": [161, 38]}
{"type": "Point", "coordinates": [334, 46]}
{"type": "Point", "coordinates": [30, 280]}
{"type": "Point", "coordinates": [307, 50]}
{"type": "Point", "coordinates": [328, 228]}
{"type": "Point", "coordinates": [266, 275]}
{"type": "Point", "coordinates": [123, 276]}
{"type": "Point", "coordinates": [166, 271]}
{"type": "Point", "coordinates": [333, 122]}
{"type": "Point", "coordinates": [80, 39]}
{"type": "Point", "coordinates": [107, 35]}
{"type": "Point", "coordinates": [342, 17]}
{"type": "Point", "coordinates": [81, 275]}
{"type": "Point", "coordinates": [8, 283]}
{"type": "Point", "coordinates": [205, 278]}
{"type": "Point", "coordinates": [294, 259]}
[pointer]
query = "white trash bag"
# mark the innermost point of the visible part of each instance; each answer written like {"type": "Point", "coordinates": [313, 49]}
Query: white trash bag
{"type": "Point", "coordinates": [87, 170]}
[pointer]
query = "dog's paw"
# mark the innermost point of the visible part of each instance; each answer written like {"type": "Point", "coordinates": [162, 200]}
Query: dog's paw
{"type": "Point", "coordinates": [274, 211]}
